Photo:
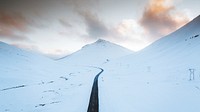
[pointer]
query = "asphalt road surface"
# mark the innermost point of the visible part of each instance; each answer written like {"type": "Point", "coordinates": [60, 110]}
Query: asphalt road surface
{"type": "Point", "coordinates": [94, 97]}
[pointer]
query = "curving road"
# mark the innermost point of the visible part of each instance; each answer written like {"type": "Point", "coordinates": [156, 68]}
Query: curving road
{"type": "Point", "coordinates": [94, 98]}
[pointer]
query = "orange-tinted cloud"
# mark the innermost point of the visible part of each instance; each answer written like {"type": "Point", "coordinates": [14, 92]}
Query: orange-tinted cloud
{"type": "Point", "coordinates": [12, 24]}
{"type": "Point", "coordinates": [160, 18]}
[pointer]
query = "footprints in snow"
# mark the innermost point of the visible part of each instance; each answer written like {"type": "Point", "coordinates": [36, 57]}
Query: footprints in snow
{"type": "Point", "coordinates": [48, 97]}
{"type": "Point", "coordinates": [22, 86]}
{"type": "Point", "coordinates": [44, 104]}
{"type": "Point", "coordinates": [51, 91]}
{"type": "Point", "coordinates": [49, 82]}
{"type": "Point", "coordinates": [64, 78]}
{"type": "Point", "coordinates": [15, 87]}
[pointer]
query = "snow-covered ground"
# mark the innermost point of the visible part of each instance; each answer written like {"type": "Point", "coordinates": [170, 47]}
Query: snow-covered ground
{"type": "Point", "coordinates": [155, 79]}
{"type": "Point", "coordinates": [33, 83]}
{"type": "Point", "coordinates": [96, 54]}
{"type": "Point", "coordinates": [69, 91]}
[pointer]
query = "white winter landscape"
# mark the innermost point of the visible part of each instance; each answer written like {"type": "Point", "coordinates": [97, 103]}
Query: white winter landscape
{"type": "Point", "coordinates": [162, 77]}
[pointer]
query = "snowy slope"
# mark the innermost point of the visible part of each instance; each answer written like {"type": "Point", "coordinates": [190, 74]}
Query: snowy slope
{"type": "Point", "coordinates": [19, 63]}
{"type": "Point", "coordinates": [156, 79]}
{"type": "Point", "coordinates": [33, 83]}
{"type": "Point", "coordinates": [96, 53]}
{"type": "Point", "coordinates": [180, 47]}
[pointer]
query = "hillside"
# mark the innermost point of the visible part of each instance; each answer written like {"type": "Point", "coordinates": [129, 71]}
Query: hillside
{"type": "Point", "coordinates": [96, 53]}
{"type": "Point", "coordinates": [163, 77]}
{"type": "Point", "coordinates": [157, 78]}
{"type": "Point", "coordinates": [31, 82]}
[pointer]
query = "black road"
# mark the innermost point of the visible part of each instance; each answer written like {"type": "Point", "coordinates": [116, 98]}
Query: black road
{"type": "Point", "coordinates": [94, 97]}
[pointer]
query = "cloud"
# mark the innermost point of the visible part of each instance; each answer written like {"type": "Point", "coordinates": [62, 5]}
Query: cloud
{"type": "Point", "coordinates": [57, 53]}
{"type": "Point", "coordinates": [80, 5]}
{"type": "Point", "coordinates": [127, 31]}
{"type": "Point", "coordinates": [51, 53]}
{"type": "Point", "coordinates": [12, 25]}
{"type": "Point", "coordinates": [94, 26]}
{"type": "Point", "coordinates": [130, 34]}
{"type": "Point", "coordinates": [12, 36]}
{"type": "Point", "coordinates": [129, 27]}
{"type": "Point", "coordinates": [65, 23]}
{"type": "Point", "coordinates": [160, 18]}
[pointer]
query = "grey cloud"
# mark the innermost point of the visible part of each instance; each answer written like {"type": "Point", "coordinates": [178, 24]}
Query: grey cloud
{"type": "Point", "coordinates": [80, 5]}
{"type": "Point", "coordinates": [65, 23]}
{"type": "Point", "coordinates": [95, 27]}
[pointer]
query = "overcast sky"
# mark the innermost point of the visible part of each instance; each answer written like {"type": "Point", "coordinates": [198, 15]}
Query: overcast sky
{"type": "Point", "coordinates": [59, 27]}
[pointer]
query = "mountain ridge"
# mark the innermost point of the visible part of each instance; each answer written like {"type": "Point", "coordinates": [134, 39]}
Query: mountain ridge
{"type": "Point", "coordinates": [180, 48]}
{"type": "Point", "coordinates": [98, 52]}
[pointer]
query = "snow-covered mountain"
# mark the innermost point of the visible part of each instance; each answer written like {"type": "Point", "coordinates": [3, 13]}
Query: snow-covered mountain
{"type": "Point", "coordinates": [180, 47]}
{"type": "Point", "coordinates": [18, 62]}
{"type": "Point", "coordinates": [34, 83]}
{"type": "Point", "coordinates": [23, 65]}
{"type": "Point", "coordinates": [96, 53]}
{"type": "Point", "coordinates": [157, 78]}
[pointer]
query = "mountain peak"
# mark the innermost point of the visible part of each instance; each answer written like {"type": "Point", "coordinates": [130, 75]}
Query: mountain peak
{"type": "Point", "coordinates": [101, 41]}
{"type": "Point", "coordinates": [96, 53]}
